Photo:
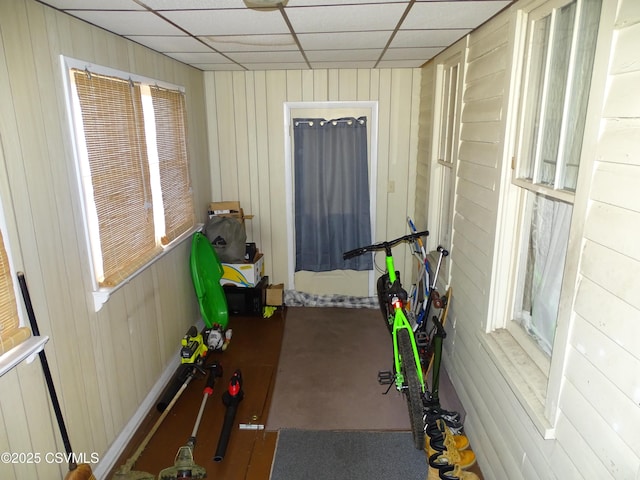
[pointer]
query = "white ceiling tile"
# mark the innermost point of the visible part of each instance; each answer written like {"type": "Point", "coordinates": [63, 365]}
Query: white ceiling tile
{"type": "Point", "coordinates": [202, 57]}
{"type": "Point", "coordinates": [339, 40]}
{"type": "Point", "coordinates": [251, 43]}
{"type": "Point", "coordinates": [267, 57]}
{"type": "Point", "coordinates": [225, 67]}
{"type": "Point", "coordinates": [427, 38]}
{"type": "Point", "coordinates": [170, 43]}
{"type": "Point", "coordinates": [314, 3]}
{"type": "Point", "coordinates": [95, 5]}
{"type": "Point", "coordinates": [346, 18]}
{"type": "Point", "coordinates": [456, 14]}
{"type": "Point", "coordinates": [229, 22]}
{"type": "Point", "coordinates": [412, 53]}
{"type": "Point", "coordinates": [193, 4]}
{"type": "Point", "coordinates": [401, 64]}
{"type": "Point", "coordinates": [366, 65]}
{"type": "Point", "coordinates": [129, 23]}
{"type": "Point", "coordinates": [333, 33]}
{"type": "Point", "coordinates": [276, 66]}
{"type": "Point", "coordinates": [343, 55]}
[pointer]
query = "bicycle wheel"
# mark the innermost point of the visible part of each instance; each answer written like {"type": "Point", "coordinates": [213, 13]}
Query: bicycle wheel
{"type": "Point", "coordinates": [413, 390]}
{"type": "Point", "coordinates": [383, 299]}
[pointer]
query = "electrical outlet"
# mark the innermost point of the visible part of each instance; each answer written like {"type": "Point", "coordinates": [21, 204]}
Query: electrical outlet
{"type": "Point", "coordinates": [391, 187]}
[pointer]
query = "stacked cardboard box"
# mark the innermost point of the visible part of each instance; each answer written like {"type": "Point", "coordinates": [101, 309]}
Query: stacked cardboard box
{"type": "Point", "coordinates": [248, 275]}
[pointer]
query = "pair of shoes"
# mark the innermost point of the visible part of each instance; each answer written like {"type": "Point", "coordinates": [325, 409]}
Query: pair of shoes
{"type": "Point", "coordinates": [451, 418]}
{"type": "Point", "coordinates": [449, 460]}
{"type": "Point", "coordinates": [437, 412]}
{"type": "Point", "coordinates": [457, 473]}
{"type": "Point", "coordinates": [446, 451]}
{"type": "Point", "coordinates": [439, 437]}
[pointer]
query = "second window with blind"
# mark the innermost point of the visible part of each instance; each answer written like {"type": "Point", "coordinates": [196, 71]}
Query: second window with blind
{"type": "Point", "coordinates": [132, 163]}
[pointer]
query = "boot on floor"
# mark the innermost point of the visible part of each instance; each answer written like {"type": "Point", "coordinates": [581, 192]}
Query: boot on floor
{"type": "Point", "coordinates": [449, 459]}
{"type": "Point", "coordinates": [457, 473]}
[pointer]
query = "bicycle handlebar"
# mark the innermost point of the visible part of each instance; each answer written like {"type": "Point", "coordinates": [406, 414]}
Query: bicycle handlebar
{"type": "Point", "coordinates": [383, 245]}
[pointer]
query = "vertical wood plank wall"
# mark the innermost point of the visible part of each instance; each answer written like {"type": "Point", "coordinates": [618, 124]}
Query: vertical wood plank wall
{"type": "Point", "coordinates": [425, 144]}
{"type": "Point", "coordinates": [246, 141]}
{"type": "Point", "coordinates": [596, 435]}
{"type": "Point", "coordinates": [104, 363]}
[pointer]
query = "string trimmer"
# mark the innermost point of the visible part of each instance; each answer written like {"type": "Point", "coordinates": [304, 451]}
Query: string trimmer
{"type": "Point", "coordinates": [124, 472]}
{"type": "Point", "coordinates": [193, 353]}
{"type": "Point", "coordinates": [184, 466]}
{"type": "Point", "coordinates": [192, 357]}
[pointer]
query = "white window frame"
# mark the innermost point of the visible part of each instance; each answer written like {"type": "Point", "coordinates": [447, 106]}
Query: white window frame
{"type": "Point", "coordinates": [27, 350]}
{"type": "Point", "coordinates": [102, 294]}
{"type": "Point", "coordinates": [445, 147]}
{"type": "Point", "coordinates": [533, 377]}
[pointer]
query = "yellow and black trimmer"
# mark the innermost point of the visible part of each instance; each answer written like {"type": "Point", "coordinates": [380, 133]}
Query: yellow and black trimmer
{"type": "Point", "coordinates": [192, 357]}
{"type": "Point", "coordinates": [184, 466]}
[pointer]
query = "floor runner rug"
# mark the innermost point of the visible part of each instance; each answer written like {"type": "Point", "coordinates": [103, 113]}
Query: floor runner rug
{"type": "Point", "coordinates": [347, 455]}
{"type": "Point", "coordinates": [327, 377]}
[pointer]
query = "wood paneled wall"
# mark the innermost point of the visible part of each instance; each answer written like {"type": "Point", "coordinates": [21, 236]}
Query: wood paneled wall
{"type": "Point", "coordinates": [596, 433]}
{"type": "Point", "coordinates": [247, 135]}
{"type": "Point", "coordinates": [103, 363]}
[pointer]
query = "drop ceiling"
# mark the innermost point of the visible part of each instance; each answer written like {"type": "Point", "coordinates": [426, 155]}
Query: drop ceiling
{"type": "Point", "coordinates": [301, 34]}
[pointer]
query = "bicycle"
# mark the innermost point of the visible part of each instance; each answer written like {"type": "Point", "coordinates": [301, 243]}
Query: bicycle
{"type": "Point", "coordinates": [407, 364]}
{"type": "Point", "coordinates": [423, 293]}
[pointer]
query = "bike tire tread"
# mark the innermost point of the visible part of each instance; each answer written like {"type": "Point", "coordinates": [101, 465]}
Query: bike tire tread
{"type": "Point", "coordinates": [413, 392]}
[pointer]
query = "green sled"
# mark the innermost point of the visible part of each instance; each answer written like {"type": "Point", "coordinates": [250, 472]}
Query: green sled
{"type": "Point", "coordinates": [206, 272]}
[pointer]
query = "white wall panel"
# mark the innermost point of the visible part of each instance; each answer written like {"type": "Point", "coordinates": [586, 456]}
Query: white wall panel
{"type": "Point", "coordinates": [103, 364]}
{"type": "Point", "coordinates": [259, 184]}
{"type": "Point", "coordinates": [600, 387]}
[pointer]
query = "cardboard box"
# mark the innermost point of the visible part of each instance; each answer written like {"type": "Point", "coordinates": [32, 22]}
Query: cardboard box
{"type": "Point", "coordinates": [228, 209]}
{"type": "Point", "coordinates": [243, 274]}
{"type": "Point", "coordinates": [275, 295]}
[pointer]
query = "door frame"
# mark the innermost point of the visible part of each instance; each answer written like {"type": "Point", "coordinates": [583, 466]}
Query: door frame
{"type": "Point", "coordinates": [289, 180]}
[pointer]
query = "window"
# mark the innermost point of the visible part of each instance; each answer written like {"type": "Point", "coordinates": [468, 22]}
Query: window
{"type": "Point", "coordinates": [446, 140]}
{"type": "Point", "coordinates": [544, 202]}
{"type": "Point", "coordinates": [559, 56]}
{"type": "Point", "coordinates": [11, 333]}
{"type": "Point", "coordinates": [132, 166]}
{"type": "Point", "coordinates": [16, 342]}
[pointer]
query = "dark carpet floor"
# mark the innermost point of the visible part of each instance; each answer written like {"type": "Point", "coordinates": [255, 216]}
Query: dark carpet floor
{"type": "Point", "coordinates": [340, 455]}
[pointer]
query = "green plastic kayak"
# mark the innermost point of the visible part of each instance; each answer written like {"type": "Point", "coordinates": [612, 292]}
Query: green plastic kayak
{"type": "Point", "coordinates": [206, 272]}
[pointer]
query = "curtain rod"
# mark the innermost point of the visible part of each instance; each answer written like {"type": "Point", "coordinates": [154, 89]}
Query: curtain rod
{"type": "Point", "coordinates": [335, 121]}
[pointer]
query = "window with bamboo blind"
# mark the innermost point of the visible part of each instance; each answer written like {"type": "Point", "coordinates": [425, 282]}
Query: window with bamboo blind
{"type": "Point", "coordinates": [169, 110]}
{"type": "Point", "coordinates": [11, 333]}
{"type": "Point", "coordinates": [132, 159]}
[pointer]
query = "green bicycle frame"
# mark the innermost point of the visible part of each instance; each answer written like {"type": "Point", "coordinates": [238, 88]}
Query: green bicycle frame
{"type": "Point", "coordinates": [399, 322]}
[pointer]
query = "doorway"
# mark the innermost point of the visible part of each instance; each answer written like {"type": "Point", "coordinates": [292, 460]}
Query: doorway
{"type": "Point", "coordinates": [343, 282]}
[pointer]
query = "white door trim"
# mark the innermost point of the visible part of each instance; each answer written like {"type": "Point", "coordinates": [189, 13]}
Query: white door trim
{"type": "Point", "coordinates": [288, 162]}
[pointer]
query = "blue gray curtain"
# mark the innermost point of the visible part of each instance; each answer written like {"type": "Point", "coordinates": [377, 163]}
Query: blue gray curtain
{"type": "Point", "coordinates": [331, 193]}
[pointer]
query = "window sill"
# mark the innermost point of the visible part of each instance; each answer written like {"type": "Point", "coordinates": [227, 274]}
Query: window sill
{"type": "Point", "coordinates": [27, 350]}
{"type": "Point", "coordinates": [527, 381]}
{"type": "Point", "coordinates": [101, 296]}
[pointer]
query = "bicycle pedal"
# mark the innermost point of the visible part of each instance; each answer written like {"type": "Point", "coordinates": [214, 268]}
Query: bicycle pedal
{"type": "Point", "coordinates": [386, 377]}
{"type": "Point", "coordinates": [422, 339]}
